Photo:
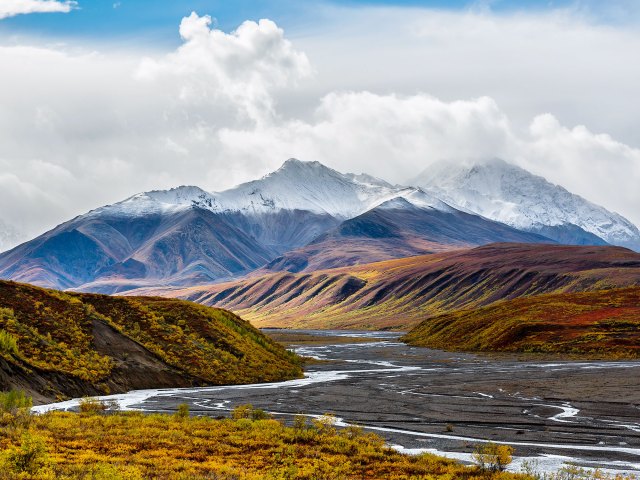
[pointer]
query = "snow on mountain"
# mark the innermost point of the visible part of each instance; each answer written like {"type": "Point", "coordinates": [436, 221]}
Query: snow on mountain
{"type": "Point", "coordinates": [313, 187]}
{"type": "Point", "coordinates": [500, 191]}
{"type": "Point", "coordinates": [296, 185]}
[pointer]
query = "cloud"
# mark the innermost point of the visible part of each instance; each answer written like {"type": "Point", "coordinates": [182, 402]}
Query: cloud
{"type": "Point", "coordinates": [11, 8]}
{"type": "Point", "coordinates": [242, 67]}
{"type": "Point", "coordinates": [83, 129]}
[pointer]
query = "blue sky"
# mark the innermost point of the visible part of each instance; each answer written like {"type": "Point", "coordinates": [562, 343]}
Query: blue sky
{"type": "Point", "coordinates": [135, 21]}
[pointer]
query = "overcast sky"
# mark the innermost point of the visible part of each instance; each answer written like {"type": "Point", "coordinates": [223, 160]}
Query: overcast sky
{"type": "Point", "coordinates": [100, 100]}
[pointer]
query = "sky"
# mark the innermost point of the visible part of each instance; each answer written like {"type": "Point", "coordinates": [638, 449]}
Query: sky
{"type": "Point", "coordinates": [102, 99]}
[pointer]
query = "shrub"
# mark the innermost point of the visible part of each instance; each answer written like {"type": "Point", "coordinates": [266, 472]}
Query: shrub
{"type": "Point", "coordinates": [14, 400]}
{"type": "Point", "coordinates": [15, 411]}
{"type": "Point", "coordinates": [183, 410]}
{"type": "Point", "coordinates": [493, 457]}
{"type": "Point", "coordinates": [92, 406]}
{"type": "Point", "coordinates": [247, 411]}
{"type": "Point", "coordinates": [8, 343]}
{"type": "Point", "coordinates": [29, 457]}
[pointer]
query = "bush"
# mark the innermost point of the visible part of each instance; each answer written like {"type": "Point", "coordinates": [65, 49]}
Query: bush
{"type": "Point", "coordinates": [8, 343]}
{"type": "Point", "coordinates": [15, 411]}
{"type": "Point", "coordinates": [92, 406]}
{"type": "Point", "coordinates": [183, 410]}
{"type": "Point", "coordinates": [493, 457]}
{"type": "Point", "coordinates": [29, 457]}
{"type": "Point", "coordinates": [14, 400]}
{"type": "Point", "coordinates": [247, 411]}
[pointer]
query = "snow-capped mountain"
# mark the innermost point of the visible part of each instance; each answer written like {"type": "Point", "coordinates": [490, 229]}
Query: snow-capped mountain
{"type": "Point", "coordinates": [296, 185]}
{"type": "Point", "coordinates": [506, 193]}
{"type": "Point", "coordinates": [313, 187]}
{"type": "Point", "coordinates": [187, 236]}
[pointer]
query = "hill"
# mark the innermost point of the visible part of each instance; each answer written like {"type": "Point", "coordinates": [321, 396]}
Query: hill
{"type": "Point", "coordinates": [400, 293]}
{"type": "Point", "coordinates": [56, 344]}
{"type": "Point", "coordinates": [604, 323]}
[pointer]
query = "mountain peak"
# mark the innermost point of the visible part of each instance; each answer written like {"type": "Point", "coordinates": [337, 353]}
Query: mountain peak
{"type": "Point", "coordinates": [510, 194]}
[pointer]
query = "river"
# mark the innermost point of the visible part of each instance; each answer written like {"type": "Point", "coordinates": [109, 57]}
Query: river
{"type": "Point", "coordinates": [422, 400]}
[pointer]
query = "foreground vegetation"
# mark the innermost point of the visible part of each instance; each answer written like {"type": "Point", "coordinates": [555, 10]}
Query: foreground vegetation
{"type": "Point", "coordinates": [100, 445]}
{"type": "Point", "coordinates": [603, 324]}
{"type": "Point", "coordinates": [61, 343]}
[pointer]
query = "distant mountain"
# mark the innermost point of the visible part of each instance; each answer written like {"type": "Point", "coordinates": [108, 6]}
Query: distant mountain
{"type": "Point", "coordinates": [398, 228]}
{"type": "Point", "coordinates": [133, 243]}
{"type": "Point", "coordinates": [506, 193]}
{"type": "Point", "coordinates": [400, 293]}
{"type": "Point", "coordinates": [187, 236]}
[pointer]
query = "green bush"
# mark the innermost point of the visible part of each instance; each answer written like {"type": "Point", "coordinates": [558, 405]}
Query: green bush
{"type": "Point", "coordinates": [14, 400]}
{"type": "Point", "coordinates": [8, 343]}
{"type": "Point", "coordinates": [183, 410]}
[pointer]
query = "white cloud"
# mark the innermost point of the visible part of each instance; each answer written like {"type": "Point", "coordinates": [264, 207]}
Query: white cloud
{"type": "Point", "coordinates": [81, 130]}
{"type": "Point", "coordinates": [243, 67]}
{"type": "Point", "coordinates": [11, 8]}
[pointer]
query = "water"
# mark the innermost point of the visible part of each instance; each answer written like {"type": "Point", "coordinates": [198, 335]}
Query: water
{"type": "Point", "coordinates": [585, 412]}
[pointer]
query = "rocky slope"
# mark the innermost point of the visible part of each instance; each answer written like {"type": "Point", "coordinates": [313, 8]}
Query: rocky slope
{"type": "Point", "coordinates": [70, 345]}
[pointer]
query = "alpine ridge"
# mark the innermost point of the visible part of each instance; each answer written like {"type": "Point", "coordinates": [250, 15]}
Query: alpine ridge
{"type": "Point", "coordinates": [303, 216]}
{"type": "Point", "coordinates": [507, 193]}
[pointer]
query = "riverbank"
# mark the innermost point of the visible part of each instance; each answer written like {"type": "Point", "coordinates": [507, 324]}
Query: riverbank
{"type": "Point", "coordinates": [428, 400]}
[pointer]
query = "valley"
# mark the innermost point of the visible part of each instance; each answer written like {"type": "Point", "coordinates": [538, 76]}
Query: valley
{"type": "Point", "coordinates": [421, 400]}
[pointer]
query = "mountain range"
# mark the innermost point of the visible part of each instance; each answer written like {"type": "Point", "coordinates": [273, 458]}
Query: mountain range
{"type": "Point", "coordinates": [300, 218]}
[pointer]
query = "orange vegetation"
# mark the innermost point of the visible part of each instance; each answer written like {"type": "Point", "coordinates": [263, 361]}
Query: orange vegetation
{"type": "Point", "coordinates": [602, 323]}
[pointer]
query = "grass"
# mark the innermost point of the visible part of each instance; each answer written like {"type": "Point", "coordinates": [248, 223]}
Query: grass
{"type": "Point", "coordinates": [602, 324]}
{"type": "Point", "coordinates": [136, 446]}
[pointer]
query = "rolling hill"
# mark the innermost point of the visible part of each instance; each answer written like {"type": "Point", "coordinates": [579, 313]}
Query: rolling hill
{"type": "Point", "coordinates": [55, 345]}
{"type": "Point", "coordinates": [400, 293]}
{"type": "Point", "coordinates": [604, 323]}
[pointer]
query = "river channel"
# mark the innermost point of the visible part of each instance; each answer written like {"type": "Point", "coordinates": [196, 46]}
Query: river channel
{"type": "Point", "coordinates": [421, 400]}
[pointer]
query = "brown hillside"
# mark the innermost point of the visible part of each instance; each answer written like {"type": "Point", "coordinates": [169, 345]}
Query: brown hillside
{"type": "Point", "coordinates": [400, 293]}
{"type": "Point", "coordinates": [605, 323]}
{"type": "Point", "coordinates": [56, 344]}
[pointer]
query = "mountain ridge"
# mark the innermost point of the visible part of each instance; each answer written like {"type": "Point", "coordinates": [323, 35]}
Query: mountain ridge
{"type": "Point", "coordinates": [399, 293]}
{"type": "Point", "coordinates": [187, 236]}
{"type": "Point", "coordinates": [510, 194]}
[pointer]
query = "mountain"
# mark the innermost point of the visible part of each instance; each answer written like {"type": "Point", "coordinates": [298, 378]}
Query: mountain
{"type": "Point", "coordinates": [187, 236]}
{"type": "Point", "coordinates": [400, 293]}
{"type": "Point", "coordinates": [134, 242]}
{"type": "Point", "coordinates": [70, 345]}
{"type": "Point", "coordinates": [506, 193]}
{"type": "Point", "coordinates": [602, 323]}
{"type": "Point", "coordinates": [398, 228]}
